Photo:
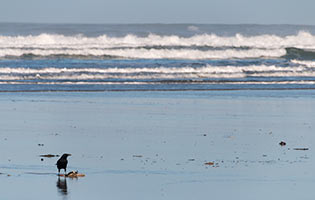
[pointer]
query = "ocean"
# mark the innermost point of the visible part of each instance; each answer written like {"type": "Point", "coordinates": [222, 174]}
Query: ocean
{"type": "Point", "coordinates": [155, 57]}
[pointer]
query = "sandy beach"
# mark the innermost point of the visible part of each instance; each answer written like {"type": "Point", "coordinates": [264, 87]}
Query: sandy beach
{"type": "Point", "coordinates": [159, 100]}
{"type": "Point", "coordinates": [158, 145]}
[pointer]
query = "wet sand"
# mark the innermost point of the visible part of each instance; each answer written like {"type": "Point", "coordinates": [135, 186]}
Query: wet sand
{"type": "Point", "coordinates": [154, 145]}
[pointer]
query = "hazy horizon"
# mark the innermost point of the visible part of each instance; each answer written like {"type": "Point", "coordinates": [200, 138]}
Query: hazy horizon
{"type": "Point", "coordinates": [164, 12]}
{"type": "Point", "coordinates": [154, 23]}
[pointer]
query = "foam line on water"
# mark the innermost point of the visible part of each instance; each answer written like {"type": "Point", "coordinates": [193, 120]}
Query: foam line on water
{"type": "Point", "coordinates": [150, 53]}
{"type": "Point", "coordinates": [166, 70]}
{"type": "Point", "coordinates": [302, 39]}
{"type": "Point", "coordinates": [155, 46]}
{"type": "Point", "coordinates": [298, 82]}
{"type": "Point", "coordinates": [185, 72]}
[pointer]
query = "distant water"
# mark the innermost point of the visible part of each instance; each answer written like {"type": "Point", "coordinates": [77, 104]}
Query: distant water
{"type": "Point", "coordinates": [66, 57]}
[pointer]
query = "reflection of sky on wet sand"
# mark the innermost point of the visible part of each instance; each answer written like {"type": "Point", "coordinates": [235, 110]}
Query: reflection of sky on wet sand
{"type": "Point", "coordinates": [154, 145]}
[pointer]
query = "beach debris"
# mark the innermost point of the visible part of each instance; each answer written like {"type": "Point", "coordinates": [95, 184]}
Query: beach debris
{"type": "Point", "coordinates": [209, 163]}
{"type": "Point", "coordinates": [282, 143]}
{"type": "Point", "coordinates": [48, 155]}
{"type": "Point", "coordinates": [137, 156]}
{"type": "Point", "coordinates": [72, 174]}
{"type": "Point", "coordinates": [5, 174]}
{"type": "Point", "coordinates": [301, 149]}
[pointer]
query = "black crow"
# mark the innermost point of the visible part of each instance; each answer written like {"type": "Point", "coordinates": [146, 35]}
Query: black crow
{"type": "Point", "coordinates": [62, 162]}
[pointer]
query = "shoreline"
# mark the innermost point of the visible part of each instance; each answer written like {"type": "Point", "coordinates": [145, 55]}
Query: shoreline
{"type": "Point", "coordinates": [153, 90]}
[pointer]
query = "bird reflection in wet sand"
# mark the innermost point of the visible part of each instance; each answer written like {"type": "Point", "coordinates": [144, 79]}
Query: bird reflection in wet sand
{"type": "Point", "coordinates": [62, 186]}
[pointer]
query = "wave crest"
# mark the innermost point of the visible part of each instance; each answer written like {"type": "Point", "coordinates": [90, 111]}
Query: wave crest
{"type": "Point", "coordinates": [157, 73]}
{"type": "Point", "coordinates": [144, 53]}
{"type": "Point", "coordinates": [202, 46]}
{"type": "Point", "coordinates": [303, 39]}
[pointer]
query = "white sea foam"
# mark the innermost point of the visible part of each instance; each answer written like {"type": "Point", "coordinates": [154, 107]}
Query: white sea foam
{"type": "Point", "coordinates": [155, 46]}
{"type": "Point", "coordinates": [306, 63]}
{"type": "Point", "coordinates": [193, 28]}
{"type": "Point", "coordinates": [301, 40]}
{"type": "Point", "coordinates": [143, 53]}
{"type": "Point", "coordinates": [162, 70]}
{"type": "Point", "coordinates": [298, 82]}
{"type": "Point", "coordinates": [167, 73]}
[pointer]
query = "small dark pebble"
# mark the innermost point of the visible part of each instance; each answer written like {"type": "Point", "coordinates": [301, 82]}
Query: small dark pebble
{"type": "Point", "coordinates": [282, 143]}
{"type": "Point", "coordinates": [40, 144]}
{"type": "Point", "coordinates": [42, 159]}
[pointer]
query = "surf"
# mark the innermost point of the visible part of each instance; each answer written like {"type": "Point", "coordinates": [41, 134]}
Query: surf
{"type": "Point", "coordinates": [300, 54]}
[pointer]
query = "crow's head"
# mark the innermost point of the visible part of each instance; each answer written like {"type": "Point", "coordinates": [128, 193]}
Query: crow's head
{"type": "Point", "coordinates": [65, 155]}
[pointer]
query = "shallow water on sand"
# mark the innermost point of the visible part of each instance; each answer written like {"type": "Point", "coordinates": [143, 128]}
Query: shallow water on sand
{"type": "Point", "coordinates": [154, 145]}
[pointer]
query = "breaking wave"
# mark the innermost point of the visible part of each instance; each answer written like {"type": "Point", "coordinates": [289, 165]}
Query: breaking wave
{"type": "Point", "coordinates": [301, 40]}
{"type": "Point", "coordinates": [152, 46]}
{"type": "Point", "coordinates": [301, 54]}
{"type": "Point", "coordinates": [142, 53]}
{"type": "Point", "coordinates": [157, 73]}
